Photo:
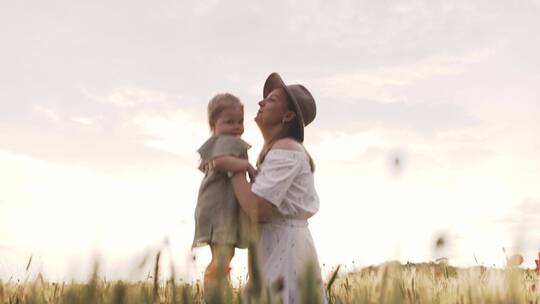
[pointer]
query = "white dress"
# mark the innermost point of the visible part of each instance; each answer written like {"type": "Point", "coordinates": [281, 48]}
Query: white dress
{"type": "Point", "coordinates": [285, 180]}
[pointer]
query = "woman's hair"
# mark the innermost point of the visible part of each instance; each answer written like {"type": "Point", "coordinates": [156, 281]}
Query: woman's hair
{"type": "Point", "coordinates": [289, 129]}
{"type": "Point", "coordinates": [218, 104]}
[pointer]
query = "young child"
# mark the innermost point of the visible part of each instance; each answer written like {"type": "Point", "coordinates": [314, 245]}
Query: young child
{"type": "Point", "coordinates": [219, 220]}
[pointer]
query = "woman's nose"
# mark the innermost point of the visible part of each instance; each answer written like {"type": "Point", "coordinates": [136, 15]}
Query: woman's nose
{"type": "Point", "coordinates": [261, 103]}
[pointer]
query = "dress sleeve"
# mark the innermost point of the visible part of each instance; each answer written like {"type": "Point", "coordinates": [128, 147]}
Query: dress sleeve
{"type": "Point", "coordinates": [276, 176]}
{"type": "Point", "coordinates": [222, 145]}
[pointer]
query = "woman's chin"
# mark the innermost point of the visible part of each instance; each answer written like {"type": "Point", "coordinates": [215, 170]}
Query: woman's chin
{"type": "Point", "coordinates": [260, 122]}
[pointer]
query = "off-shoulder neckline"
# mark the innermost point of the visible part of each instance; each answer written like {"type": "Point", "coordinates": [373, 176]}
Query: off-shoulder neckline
{"type": "Point", "coordinates": [287, 151]}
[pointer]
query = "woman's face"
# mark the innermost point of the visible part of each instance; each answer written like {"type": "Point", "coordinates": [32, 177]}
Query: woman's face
{"type": "Point", "coordinates": [273, 109]}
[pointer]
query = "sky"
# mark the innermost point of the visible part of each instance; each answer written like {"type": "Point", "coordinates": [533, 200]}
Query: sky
{"type": "Point", "coordinates": [103, 106]}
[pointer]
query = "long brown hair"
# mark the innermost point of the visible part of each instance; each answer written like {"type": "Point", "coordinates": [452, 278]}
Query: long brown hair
{"type": "Point", "coordinates": [289, 129]}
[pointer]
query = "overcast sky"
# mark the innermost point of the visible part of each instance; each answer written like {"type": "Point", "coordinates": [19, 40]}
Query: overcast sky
{"type": "Point", "coordinates": [103, 106]}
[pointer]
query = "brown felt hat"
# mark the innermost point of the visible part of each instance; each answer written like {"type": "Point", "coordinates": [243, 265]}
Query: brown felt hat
{"type": "Point", "coordinates": [303, 101]}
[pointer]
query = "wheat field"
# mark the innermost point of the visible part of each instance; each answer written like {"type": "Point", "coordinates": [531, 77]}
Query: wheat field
{"type": "Point", "coordinates": [390, 282]}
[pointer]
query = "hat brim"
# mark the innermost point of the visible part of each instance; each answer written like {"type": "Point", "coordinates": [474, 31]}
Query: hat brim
{"type": "Point", "coordinates": [274, 81]}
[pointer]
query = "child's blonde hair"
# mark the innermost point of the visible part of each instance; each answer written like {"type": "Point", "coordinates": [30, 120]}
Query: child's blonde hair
{"type": "Point", "coordinates": [218, 104]}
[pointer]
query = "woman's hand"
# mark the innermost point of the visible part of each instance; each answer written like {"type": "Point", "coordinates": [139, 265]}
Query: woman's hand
{"type": "Point", "coordinates": [252, 173]}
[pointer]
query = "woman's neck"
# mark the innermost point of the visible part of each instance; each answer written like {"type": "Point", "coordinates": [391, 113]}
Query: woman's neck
{"type": "Point", "coordinates": [270, 134]}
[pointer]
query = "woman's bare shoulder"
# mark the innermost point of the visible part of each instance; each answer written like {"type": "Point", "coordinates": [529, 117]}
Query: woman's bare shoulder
{"type": "Point", "coordinates": [288, 144]}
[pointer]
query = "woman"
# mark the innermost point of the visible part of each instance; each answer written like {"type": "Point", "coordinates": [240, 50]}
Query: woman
{"type": "Point", "coordinates": [283, 195]}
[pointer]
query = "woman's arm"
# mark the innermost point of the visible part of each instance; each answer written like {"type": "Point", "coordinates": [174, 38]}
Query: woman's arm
{"type": "Point", "coordinates": [257, 208]}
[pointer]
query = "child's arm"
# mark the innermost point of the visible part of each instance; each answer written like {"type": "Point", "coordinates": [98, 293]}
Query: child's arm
{"type": "Point", "coordinates": [230, 163]}
{"type": "Point", "coordinates": [234, 164]}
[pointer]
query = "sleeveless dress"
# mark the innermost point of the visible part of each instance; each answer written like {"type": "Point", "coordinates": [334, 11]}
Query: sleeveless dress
{"type": "Point", "coordinates": [218, 217]}
{"type": "Point", "coordinates": [286, 181]}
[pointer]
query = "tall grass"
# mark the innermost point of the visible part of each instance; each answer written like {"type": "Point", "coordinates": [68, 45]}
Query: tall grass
{"type": "Point", "coordinates": [387, 283]}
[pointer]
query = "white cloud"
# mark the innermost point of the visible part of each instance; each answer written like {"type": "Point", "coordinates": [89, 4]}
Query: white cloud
{"type": "Point", "coordinates": [536, 3]}
{"type": "Point", "coordinates": [132, 96]}
{"type": "Point", "coordinates": [525, 217]}
{"type": "Point", "coordinates": [125, 129]}
{"type": "Point", "coordinates": [345, 147]}
{"type": "Point", "coordinates": [204, 7]}
{"type": "Point", "coordinates": [176, 132]}
{"type": "Point", "coordinates": [373, 83]}
{"type": "Point", "coordinates": [82, 120]}
{"type": "Point", "coordinates": [49, 113]}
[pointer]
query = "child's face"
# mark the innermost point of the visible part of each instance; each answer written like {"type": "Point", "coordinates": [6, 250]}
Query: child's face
{"type": "Point", "coordinates": [230, 122]}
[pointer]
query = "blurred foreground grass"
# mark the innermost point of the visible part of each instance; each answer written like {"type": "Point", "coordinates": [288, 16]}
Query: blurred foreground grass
{"type": "Point", "coordinates": [387, 283]}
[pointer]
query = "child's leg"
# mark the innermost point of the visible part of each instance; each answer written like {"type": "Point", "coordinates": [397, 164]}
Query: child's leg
{"type": "Point", "coordinates": [219, 265]}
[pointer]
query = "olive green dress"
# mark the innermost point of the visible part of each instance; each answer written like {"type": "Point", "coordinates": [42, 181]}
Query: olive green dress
{"type": "Point", "coordinates": [218, 217]}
